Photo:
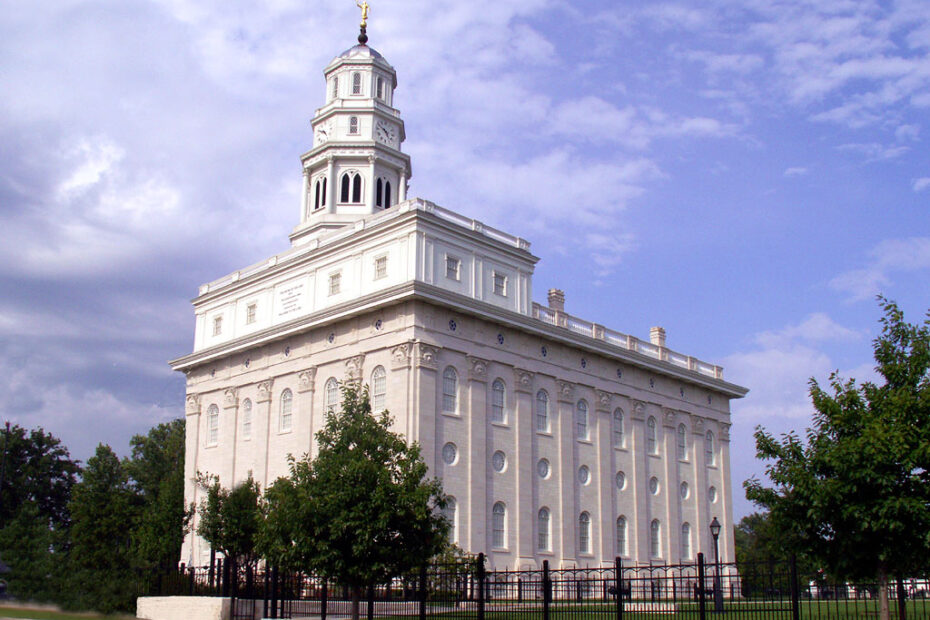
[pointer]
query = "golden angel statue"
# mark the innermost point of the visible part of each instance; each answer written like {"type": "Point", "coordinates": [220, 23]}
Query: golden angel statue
{"type": "Point", "coordinates": [362, 4]}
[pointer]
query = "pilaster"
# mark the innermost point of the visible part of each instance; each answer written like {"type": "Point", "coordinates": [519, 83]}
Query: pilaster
{"type": "Point", "coordinates": [262, 413]}
{"type": "Point", "coordinates": [306, 392]}
{"type": "Point", "coordinates": [478, 507]}
{"type": "Point", "coordinates": [524, 464]}
{"type": "Point", "coordinates": [567, 471]}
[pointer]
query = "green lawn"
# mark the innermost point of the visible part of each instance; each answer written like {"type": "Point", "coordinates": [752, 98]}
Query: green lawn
{"type": "Point", "coordinates": [43, 614]}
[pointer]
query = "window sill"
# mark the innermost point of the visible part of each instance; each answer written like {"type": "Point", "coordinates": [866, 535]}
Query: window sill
{"type": "Point", "coordinates": [654, 455]}
{"type": "Point", "coordinates": [621, 448]}
{"type": "Point", "coordinates": [544, 433]}
{"type": "Point", "coordinates": [287, 432]}
{"type": "Point", "coordinates": [501, 425]}
{"type": "Point", "coordinates": [451, 414]}
{"type": "Point", "coordinates": [585, 441]}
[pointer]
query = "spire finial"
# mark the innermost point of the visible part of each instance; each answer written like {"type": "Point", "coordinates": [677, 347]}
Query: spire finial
{"type": "Point", "coordinates": [363, 35]}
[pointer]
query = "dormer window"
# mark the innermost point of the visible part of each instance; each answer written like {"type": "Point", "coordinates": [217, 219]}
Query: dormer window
{"type": "Point", "coordinates": [351, 187]}
{"type": "Point", "coordinates": [380, 88]}
{"type": "Point", "coordinates": [356, 83]}
{"type": "Point", "coordinates": [500, 284]}
{"type": "Point", "coordinates": [353, 125]}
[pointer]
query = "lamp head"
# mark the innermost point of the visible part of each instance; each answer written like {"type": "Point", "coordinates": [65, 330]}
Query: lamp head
{"type": "Point", "coordinates": [715, 528]}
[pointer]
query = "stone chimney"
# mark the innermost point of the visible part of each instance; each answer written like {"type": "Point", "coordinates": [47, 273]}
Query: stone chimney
{"type": "Point", "coordinates": [556, 300]}
{"type": "Point", "coordinates": [657, 336]}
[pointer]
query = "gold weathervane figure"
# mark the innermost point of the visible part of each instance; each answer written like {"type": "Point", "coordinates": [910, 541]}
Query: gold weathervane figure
{"type": "Point", "coordinates": [364, 6]}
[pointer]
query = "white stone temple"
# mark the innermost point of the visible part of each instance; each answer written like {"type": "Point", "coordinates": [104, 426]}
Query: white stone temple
{"type": "Point", "coordinates": [558, 438]}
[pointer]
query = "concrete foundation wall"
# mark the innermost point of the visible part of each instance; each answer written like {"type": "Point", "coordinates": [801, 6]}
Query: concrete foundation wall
{"type": "Point", "coordinates": [183, 608]}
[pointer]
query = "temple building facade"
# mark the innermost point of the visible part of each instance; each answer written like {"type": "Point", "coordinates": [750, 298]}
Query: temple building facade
{"type": "Point", "coordinates": [556, 438]}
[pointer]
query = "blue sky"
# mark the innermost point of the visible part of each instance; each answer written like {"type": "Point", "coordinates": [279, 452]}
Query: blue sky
{"type": "Point", "coordinates": [747, 174]}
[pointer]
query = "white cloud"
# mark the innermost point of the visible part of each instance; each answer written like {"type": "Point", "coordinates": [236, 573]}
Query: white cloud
{"type": "Point", "coordinates": [817, 327]}
{"type": "Point", "coordinates": [795, 171]}
{"type": "Point", "coordinates": [874, 151]}
{"type": "Point", "coordinates": [887, 258]}
{"type": "Point", "coordinates": [921, 184]}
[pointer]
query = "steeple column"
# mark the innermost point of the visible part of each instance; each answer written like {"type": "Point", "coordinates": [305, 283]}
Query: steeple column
{"type": "Point", "coordinates": [371, 181]}
{"type": "Point", "coordinates": [330, 185]}
{"type": "Point", "coordinates": [305, 196]}
{"type": "Point", "coordinates": [402, 186]}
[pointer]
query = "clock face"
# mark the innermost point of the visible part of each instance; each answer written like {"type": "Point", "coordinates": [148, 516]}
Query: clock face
{"type": "Point", "coordinates": [386, 133]}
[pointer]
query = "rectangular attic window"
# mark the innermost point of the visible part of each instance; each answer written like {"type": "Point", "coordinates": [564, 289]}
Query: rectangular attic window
{"type": "Point", "coordinates": [500, 284]}
{"type": "Point", "coordinates": [452, 267]}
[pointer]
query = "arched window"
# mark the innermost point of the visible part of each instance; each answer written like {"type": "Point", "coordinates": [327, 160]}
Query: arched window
{"type": "Point", "coordinates": [682, 442]}
{"type": "Point", "coordinates": [450, 382]}
{"type": "Point", "coordinates": [499, 526]}
{"type": "Point", "coordinates": [542, 528]}
{"type": "Point", "coordinates": [685, 541]}
{"type": "Point", "coordinates": [357, 188]}
{"type": "Point", "coordinates": [344, 190]}
{"type": "Point", "coordinates": [356, 83]}
{"type": "Point", "coordinates": [380, 88]}
{"type": "Point", "coordinates": [379, 193]}
{"type": "Point", "coordinates": [350, 187]}
{"type": "Point", "coordinates": [387, 194]}
{"type": "Point", "coordinates": [353, 125]}
{"type": "Point", "coordinates": [621, 535]}
{"type": "Point", "coordinates": [497, 401]}
{"type": "Point", "coordinates": [449, 513]}
{"type": "Point", "coordinates": [710, 453]}
{"type": "Point", "coordinates": [542, 411]}
{"type": "Point", "coordinates": [247, 419]}
{"type": "Point", "coordinates": [584, 533]}
{"type": "Point", "coordinates": [655, 547]}
{"type": "Point", "coordinates": [285, 415]}
{"type": "Point", "coordinates": [213, 425]}
{"type": "Point", "coordinates": [335, 87]}
{"type": "Point", "coordinates": [378, 389]}
{"type": "Point", "coordinates": [581, 419]}
{"type": "Point", "coordinates": [652, 440]}
{"type": "Point", "coordinates": [332, 394]}
{"type": "Point", "coordinates": [319, 195]}
{"type": "Point", "coordinates": [619, 430]}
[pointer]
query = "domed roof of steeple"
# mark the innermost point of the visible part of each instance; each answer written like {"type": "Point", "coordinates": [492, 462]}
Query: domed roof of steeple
{"type": "Point", "coordinates": [360, 51]}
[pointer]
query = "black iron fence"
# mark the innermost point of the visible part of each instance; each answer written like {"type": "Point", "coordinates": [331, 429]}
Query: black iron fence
{"type": "Point", "coordinates": [467, 591]}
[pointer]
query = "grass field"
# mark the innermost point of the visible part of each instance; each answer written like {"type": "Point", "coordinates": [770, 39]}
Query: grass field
{"type": "Point", "coordinates": [10, 611]}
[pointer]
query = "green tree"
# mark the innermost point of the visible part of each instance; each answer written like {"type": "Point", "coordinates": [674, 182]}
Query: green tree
{"type": "Point", "coordinates": [363, 510]}
{"type": "Point", "coordinates": [37, 469]}
{"type": "Point", "coordinates": [32, 551]}
{"type": "Point", "coordinates": [229, 518]}
{"type": "Point", "coordinates": [856, 494]}
{"type": "Point", "coordinates": [156, 472]}
{"type": "Point", "coordinates": [104, 507]}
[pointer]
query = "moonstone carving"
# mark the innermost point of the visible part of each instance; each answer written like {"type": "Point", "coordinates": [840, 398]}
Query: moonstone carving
{"type": "Point", "coordinates": [426, 355]}
{"type": "Point", "coordinates": [400, 356]}
{"type": "Point", "coordinates": [305, 380]}
{"type": "Point", "coordinates": [354, 368]}
{"type": "Point", "coordinates": [603, 400]}
{"type": "Point", "coordinates": [477, 369]}
{"type": "Point", "coordinates": [192, 405]}
{"type": "Point", "coordinates": [230, 398]}
{"type": "Point", "coordinates": [566, 391]}
{"type": "Point", "coordinates": [522, 380]}
{"type": "Point", "coordinates": [264, 391]}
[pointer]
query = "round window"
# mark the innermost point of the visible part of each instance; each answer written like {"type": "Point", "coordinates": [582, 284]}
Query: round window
{"type": "Point", "coordinates": [584, 474]}
{"type": "Point", "coordinates": [654, 485]}
{"type": "Point", "coordinates": [449, 453]}
{"type": "Point", "coordinates": [621, 480]}
{"type": "Point", "coordinates": [542, 468]}
{"type": "Point", "coordinates": [499, 461]}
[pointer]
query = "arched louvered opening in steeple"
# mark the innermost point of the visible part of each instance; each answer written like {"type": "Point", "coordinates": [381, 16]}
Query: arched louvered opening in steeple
{"type": "Point", "coordinates": [350, 187]}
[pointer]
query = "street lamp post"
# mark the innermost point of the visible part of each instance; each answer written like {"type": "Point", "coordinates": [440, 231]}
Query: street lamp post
{"type": "Point", "coordinates": [718, 592]}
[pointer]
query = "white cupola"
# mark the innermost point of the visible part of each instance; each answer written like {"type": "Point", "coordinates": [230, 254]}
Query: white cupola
{"type": "Point", "coordinates": [356, 167]}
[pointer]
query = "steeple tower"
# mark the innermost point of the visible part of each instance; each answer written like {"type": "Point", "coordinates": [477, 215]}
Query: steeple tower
{"type": "Point", "coordinates": [356, 167]}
